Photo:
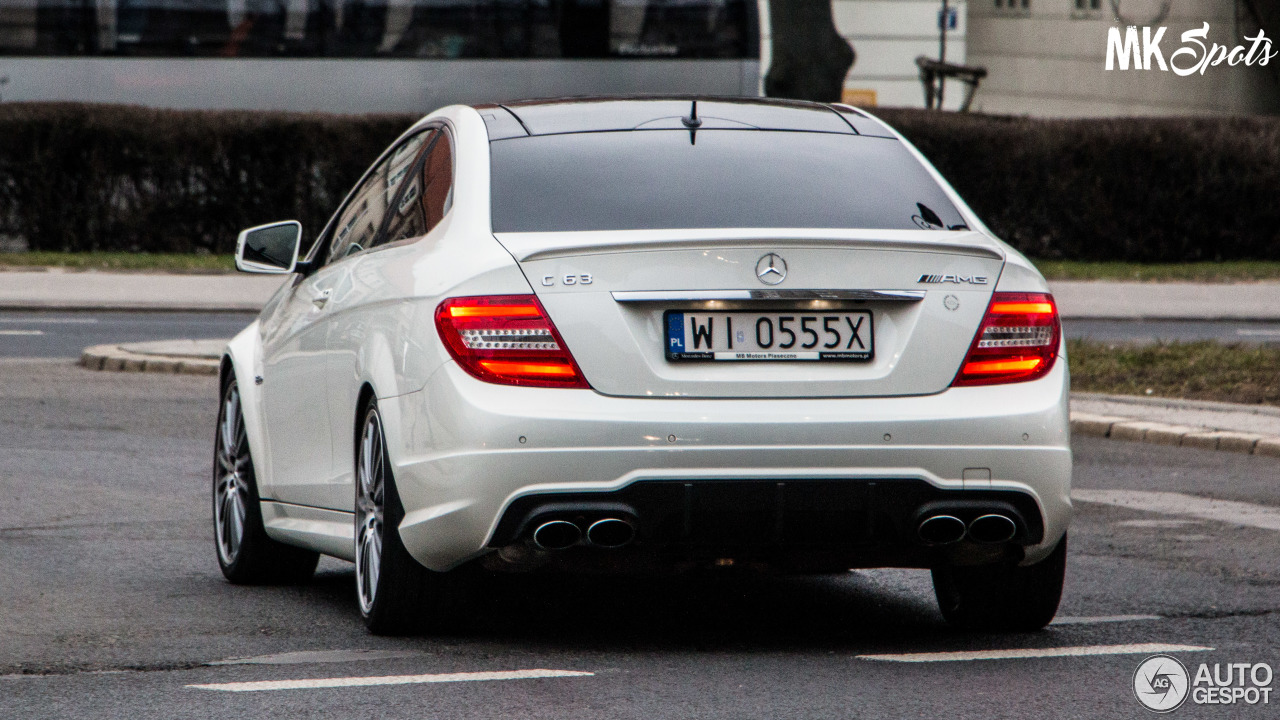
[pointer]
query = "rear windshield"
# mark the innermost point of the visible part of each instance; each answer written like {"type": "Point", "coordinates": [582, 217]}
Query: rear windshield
{"type": "Point", "coordinates": [663, 179]}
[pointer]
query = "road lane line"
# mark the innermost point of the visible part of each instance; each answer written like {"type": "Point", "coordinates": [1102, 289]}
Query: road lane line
{"type": "Point", "coordinates": [317, 683]}
{"type": "Point", "coordinates": [1079, 651]}
{"type": "Point", "coordinates": [1171, 503]}
{"type": "Point", "coordinates": [21, 332]}
{"type": "Point", "coordinates": [307, 657]}
{"type": "Point", "coordinates": [1090, 619]}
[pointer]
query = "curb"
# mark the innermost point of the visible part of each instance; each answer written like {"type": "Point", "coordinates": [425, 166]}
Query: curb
{"type": "Point", "coordinates": [115, 358]}
{"type": "Point", "coordinates": [1123, 428]}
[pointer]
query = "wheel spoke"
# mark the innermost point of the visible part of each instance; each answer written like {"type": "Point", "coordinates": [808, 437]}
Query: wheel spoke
{"type": "Point", "coordinates": [237, 522]}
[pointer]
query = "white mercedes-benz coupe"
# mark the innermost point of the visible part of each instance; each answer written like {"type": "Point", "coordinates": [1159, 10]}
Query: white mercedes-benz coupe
{"type": "Point", "coordinates": [645, 334]}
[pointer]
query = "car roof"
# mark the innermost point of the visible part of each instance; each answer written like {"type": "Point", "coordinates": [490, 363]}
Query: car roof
{"type": "Point", "coordinates": [559, 116]}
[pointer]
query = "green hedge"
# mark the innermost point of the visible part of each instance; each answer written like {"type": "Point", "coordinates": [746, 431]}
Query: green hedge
{"type": "Point", "coordinates": [80, 177]}
{"type": "Point", "coordinates": [1134, 189]}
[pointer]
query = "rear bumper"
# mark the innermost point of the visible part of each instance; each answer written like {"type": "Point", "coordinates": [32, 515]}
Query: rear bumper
{"type": "Point", "coordinates": [473, 460]}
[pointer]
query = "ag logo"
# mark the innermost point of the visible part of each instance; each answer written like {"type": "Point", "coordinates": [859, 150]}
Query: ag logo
{"type": "Point", "coordinates": [1161, 683]}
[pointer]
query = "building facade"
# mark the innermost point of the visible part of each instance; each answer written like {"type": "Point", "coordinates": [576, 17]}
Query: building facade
{"type": "Point", "coordinates": [1047, 58]}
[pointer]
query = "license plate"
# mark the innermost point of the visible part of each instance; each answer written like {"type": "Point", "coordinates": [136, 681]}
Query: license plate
{"type": "Point", "coordinates": [770, 336]}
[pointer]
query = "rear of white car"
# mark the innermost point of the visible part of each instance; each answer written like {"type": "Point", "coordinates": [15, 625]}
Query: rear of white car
{"type": "Point", "coordinates": [668, 334]}
{"type": "Point", "coordinates": [684, 387]}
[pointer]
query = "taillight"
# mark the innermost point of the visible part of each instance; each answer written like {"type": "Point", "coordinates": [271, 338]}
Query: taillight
{"type": "Point", "coordinates": [507, 339]}
{"type": "Point", "coordinates": [1018, 340]}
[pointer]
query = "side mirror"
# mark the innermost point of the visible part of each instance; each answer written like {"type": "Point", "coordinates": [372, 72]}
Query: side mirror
{"type": "Point", "coordinates": [269, 249]}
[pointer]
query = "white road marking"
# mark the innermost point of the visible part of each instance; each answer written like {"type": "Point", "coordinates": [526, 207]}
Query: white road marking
{"type": "Point", "coordinates": [1091, 619]}
{"type": "Point", "coordinates": [317, 683]}
{"type": "Point", "coordinates": [1080, 651]}
{"type": "Point", "coordinates": [1158, 523]}
{"type": "Point", "coordinates": [307, 657]}
{"type": "Point", "coordinates": [29, 320]}
{"type": "Point", "coordinates": [1171, 503]}
{"type": "Point", "coordinates": [21, 332]}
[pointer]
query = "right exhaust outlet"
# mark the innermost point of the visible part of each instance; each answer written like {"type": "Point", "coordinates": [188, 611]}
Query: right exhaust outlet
{"type": "Point", "coordinates": [993, 528]}
{"type": "Point", "coordinates": [610, 533]}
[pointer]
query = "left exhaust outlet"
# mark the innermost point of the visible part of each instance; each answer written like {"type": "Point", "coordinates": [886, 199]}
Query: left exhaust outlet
{"type": "Point", "coordinates": [556, 535]}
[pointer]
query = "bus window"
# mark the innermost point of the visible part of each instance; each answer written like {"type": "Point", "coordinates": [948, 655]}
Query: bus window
{"type": "Point", "coordinates": [381, 28]}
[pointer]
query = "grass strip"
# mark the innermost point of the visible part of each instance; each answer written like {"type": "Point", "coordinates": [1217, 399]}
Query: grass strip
{"type": "Point", "coordinates": [1209, 272]}
{"type": "Point", "coordinates": [1203, 370]}
{"type": "Point", "coordinates": [158, 262]}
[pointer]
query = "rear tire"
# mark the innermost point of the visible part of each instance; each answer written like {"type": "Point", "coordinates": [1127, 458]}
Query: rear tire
{"type": "Point", "coordinates": [396, 595]}
{"type": "Point", "coordinates": [1002, 597]}
{"type": "Point", "coordinates": [245, 553]}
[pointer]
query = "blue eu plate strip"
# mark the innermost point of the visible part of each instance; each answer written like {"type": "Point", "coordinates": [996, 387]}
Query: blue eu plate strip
{"type": "Point", "coordinates": [675, 332]}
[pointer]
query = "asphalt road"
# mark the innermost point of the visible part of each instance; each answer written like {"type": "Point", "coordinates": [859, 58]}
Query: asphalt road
{"type": "Point", "coordinates": [112, 606]}
{"type": "Point", "coordinates": [65, 334]}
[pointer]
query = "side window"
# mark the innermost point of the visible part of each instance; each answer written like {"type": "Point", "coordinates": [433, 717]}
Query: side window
{"type": "Point", "coordinates": [437, 175]}
{"type": "Point", "coordinates": [427, 196]}
{"type": "Point", "coordinates": [360, 221]}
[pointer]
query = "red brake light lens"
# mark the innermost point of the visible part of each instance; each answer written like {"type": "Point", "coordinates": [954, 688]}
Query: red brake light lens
{"type": "Point", "coordinates": [1018, 341]}
{"type": "Point", "coordinates": [508, 340]}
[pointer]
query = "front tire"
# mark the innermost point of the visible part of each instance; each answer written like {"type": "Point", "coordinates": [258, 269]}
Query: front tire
{"type": "Point", "coordinates": [397, 595]}
{"type": "Point", "coordinates": [245, 553]}
{"type": "Point", "coordinates": [1002, 597]}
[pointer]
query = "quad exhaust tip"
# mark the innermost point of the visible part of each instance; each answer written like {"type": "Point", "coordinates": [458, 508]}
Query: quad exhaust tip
{"type": "Point", "coordinates": [610, 533]}
{"type": "Point", "coordinates": [941, 529]}
{"type": "Point", "coordinates": [992, 528]}
{"type": "Point", "coordinates": [556, 535]}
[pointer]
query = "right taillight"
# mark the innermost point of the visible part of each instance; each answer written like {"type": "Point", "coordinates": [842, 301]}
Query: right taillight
{"type": "Point", "coordinates": [1018, 340]}
{"type": "Point", "coordinates": [507, 339]}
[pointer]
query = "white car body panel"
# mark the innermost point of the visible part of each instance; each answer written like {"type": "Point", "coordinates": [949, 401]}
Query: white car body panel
{"type": "Point", "coordinates": [463, 450]}
{"type": "Point", "coordinates": [460, 461]}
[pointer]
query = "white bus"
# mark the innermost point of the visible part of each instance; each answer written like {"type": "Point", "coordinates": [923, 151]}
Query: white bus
{"type": "Point", "coordinates": [371, 55]}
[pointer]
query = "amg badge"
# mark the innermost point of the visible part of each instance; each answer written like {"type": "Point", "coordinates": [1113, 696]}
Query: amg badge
{"type": "Point", "coordinates": [957, 279]}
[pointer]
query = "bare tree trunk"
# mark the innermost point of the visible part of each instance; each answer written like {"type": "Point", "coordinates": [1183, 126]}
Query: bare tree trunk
{"type": "Point", "coordinates": [810, 59]}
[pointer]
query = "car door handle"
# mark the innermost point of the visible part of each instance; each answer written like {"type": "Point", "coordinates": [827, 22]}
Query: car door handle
{"type": "Point", "coordinates": [322, 297]}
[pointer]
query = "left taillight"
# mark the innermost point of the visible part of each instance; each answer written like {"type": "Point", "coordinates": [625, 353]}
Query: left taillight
{"type": "Point", "coordinates": [507, 339]}
{"type": "Point", "coordinates": [1018, 341]}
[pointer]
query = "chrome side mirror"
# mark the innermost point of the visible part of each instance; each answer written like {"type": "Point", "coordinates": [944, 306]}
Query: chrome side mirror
{"type": "Point", "coordinates": [270, 249]}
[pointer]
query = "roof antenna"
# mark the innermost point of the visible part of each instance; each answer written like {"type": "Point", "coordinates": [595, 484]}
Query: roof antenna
{"type": "Point", "coordinates": [693, 122]}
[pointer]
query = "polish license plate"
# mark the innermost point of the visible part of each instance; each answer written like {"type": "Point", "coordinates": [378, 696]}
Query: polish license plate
{"type": "Point", "coordinates": [770, 336]}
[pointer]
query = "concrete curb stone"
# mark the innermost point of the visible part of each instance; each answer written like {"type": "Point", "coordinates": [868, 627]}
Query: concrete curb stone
{"type": "Point", "coordinates": [118, 359]}
{"type": "Point", "coordinates": [1121, 428]}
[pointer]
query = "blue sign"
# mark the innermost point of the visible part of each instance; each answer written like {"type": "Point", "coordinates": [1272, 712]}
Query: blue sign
{"type": "Point", "coordinates": [951, 19]}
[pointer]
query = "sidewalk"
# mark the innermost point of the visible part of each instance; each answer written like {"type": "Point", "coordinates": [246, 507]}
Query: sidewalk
{"type": "Point", "coordinates": [65, 290]}
{"type": "Point", "coordinates": [57, 289]}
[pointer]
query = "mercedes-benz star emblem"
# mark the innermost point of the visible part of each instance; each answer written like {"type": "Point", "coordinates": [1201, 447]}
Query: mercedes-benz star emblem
{"type": "Point", "coordinates": [771, 269]}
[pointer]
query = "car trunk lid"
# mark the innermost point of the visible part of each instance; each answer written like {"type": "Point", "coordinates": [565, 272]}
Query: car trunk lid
{"type": "Point", "coordinates": [613, 296]}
